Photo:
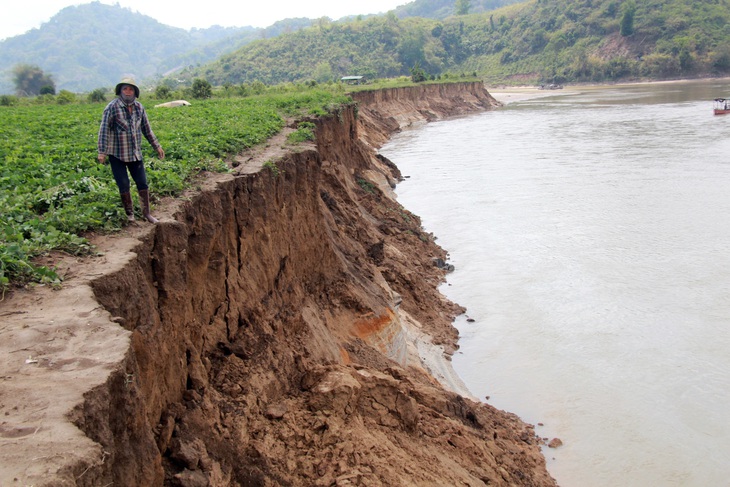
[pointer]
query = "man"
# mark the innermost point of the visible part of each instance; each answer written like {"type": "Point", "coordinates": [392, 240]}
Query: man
{"type": "Point", "coordinates": [120, 138]}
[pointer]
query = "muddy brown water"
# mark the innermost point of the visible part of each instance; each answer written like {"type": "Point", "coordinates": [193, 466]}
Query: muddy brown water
{"type": "Point", "coordinates": [590, 231]}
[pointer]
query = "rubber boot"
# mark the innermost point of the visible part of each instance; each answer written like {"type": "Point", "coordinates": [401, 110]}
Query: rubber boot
{"type": "Point", "coordinates": [128, 206]}
{"type": "Point", "coordinates": [144, 198]}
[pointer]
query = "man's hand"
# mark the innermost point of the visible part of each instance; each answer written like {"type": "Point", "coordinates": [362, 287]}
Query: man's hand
{"type": "Point", "coordinates": [160, 153]}
{"type": "Point", "coordinates": [102, 158]}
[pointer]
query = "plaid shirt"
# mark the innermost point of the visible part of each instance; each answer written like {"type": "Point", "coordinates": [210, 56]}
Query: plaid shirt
{"type": "Point", "coordinates": [120, 133]}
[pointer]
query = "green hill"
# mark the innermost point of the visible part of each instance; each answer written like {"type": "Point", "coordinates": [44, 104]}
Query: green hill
{"type": "Point", "coordinates": [535, 41]}
{"type": "Point", "coordinates": [93, 45]}
{"type": "Point", "coordinates": [82, 51]}
{"type": "Point", "coordinates": [601, 40]}
{"type": "Point", "coordinates": [539, 41]}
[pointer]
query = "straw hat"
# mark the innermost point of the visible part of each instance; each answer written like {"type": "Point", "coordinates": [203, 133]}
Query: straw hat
{"type": "Point", "coordinates": [127, 81]}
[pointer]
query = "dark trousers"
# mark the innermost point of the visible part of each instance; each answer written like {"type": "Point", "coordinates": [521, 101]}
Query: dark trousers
{"type": "Point", "coordinates": [136, 169]}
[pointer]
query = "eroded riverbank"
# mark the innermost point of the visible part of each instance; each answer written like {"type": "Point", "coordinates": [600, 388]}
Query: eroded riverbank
{"type": "Point", "coordinates": [256, 336]}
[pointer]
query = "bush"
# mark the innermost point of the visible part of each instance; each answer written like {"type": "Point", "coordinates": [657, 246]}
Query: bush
{"type": "Point", "coordinates": [366, 185]}
{"type": "Point", "coordinates": [44, 99]}
{"type": "Point", "coordinates": [418, 75]}
{"type": "Point", "coordinates": [8, 100]}
{"type": "Point", "coordinates": [271, 166]}
{"type": "Point", "coordinates": [257, 87]}
{"type": "Point", "coordinates": [720, 59]}
{"type": "Point", "coordinates": [304, 132]}
{"type": "Point", "coordinates": [65, 97]}
{"type": "Point", "coordinates": [97, 96]}
{"type": "Point", "coordinates": [162, 92]}
{"type": "Point", "coordinates": [660, 65]}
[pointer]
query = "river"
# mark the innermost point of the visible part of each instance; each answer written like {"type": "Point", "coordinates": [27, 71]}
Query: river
{"type": "Point", "coordinates": [590, 232]}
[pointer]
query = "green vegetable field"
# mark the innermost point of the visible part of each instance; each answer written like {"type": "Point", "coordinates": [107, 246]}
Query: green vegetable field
{"type": "Point", "coordinates": [52, 189]}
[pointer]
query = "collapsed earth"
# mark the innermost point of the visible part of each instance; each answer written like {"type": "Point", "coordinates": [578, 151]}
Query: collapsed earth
{"type": "Point", "coordinates": [281, 325]}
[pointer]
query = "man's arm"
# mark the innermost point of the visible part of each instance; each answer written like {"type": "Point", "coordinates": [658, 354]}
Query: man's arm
{"type": "Point", "coordinates": [150, 135]}
{"type": "Point", "coordinates": [103, 140]}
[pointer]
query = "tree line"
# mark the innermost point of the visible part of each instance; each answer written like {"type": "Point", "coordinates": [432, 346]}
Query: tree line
{"type": "Point", "coordinates": [539, 41]}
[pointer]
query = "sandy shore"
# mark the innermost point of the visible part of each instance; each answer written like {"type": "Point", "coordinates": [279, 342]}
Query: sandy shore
{"type": "Point", "coordinates": [511, 95]}
{"type": "Point", "coordinates": [430, 357]}
{"type": "Point", "coordinates": [507, 95]}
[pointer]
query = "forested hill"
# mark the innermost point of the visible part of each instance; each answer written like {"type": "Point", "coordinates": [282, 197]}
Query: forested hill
{"type": "Point", "coordinates": [88, 46]}
{"type": "Point", "coordinates": [539, 41]}
{"type": "Point", "coordinates": [92, 45]}
{"type": "Point", "coordinates": [535, 41]}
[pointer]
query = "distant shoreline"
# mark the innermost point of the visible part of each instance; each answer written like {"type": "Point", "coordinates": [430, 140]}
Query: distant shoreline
{"type": "Point", "coordinates": [507, 95]}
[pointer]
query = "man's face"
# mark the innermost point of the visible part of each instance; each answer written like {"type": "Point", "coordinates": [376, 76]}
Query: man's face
{"type": "Point", "coordinates": [128, 94]}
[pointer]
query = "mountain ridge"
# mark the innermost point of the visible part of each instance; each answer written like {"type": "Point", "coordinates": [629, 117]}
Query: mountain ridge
{"type": "Point", "coordinates": [533, 42]}
{"type": "Point", "coordinates": [82, 60]}
{"type": "Point", "coordinates": [98, 55]}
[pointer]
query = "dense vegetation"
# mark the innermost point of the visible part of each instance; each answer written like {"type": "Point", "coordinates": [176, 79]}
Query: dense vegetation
{"type": "Point", "coordinates": [441, 9]}
{"type": "Point", "coordinates": [52, 190]}
{"type": "Point", "coordinates": [599, 40]}
{"type": "Point", "coordinates": [378, 47]}
{"type": "Point", "coordinates": [535, 41]}
{"type": "Point", "coordinates": [89, 46]}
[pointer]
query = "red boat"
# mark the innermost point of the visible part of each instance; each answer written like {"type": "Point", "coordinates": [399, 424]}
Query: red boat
{"type": "Point", "coordinates": [722, 106]}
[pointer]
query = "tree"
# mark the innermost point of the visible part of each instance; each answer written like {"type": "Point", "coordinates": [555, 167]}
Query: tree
{"type": "Point", "coordinates": [323, 72]}
{"type": "Point", "coordinates": [418, 75]}
{"type": "Point", "coordinates": [462, 7]}
{"type": "Point", "coordinates": [720, 58]}
{"type": "Point", "coordinates": [685, 59]}
{"type": "Point", "coordinates": [627, 19]}
{"type": "Point", "coordinates": [410, 48]}
{"type": "Point", "coordinates": [30, 80]}
{"type": "Point", "coordinates": [202, 89]}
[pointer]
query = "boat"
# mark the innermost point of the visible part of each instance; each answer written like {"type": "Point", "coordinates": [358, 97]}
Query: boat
{"type": "Point", "coordinates": [722, 106]}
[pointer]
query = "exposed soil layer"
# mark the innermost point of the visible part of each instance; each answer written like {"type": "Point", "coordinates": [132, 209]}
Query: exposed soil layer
{"type": "Point", "coordinates": [278, 327]}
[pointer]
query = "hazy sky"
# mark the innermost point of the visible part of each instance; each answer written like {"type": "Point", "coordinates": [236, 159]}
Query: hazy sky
{"type": "Point", "coordinates": [19, 16]}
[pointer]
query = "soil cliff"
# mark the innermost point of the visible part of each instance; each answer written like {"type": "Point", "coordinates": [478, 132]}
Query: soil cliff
{"type": "Point", "coordinates": [280, 326]}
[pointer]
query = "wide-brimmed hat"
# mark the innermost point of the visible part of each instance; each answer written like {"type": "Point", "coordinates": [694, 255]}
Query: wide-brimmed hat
{"type": "Point", "coordinates": [127, 81]}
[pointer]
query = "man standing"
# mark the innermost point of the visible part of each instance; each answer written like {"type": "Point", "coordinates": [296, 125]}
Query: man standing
{"type": "Point", "coordinates": [120, 137]}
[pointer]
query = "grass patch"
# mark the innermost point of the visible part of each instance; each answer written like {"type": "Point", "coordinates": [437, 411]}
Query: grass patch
{"type": "Point", "coordinates": [303, 133]}
{"type": "Point", "coordinates": [271, 166]}
{"type": "Point", "coordinates": [366, 185]}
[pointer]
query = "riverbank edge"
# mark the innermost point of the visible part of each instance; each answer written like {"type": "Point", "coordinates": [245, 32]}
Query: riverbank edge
{"type": "Point", "coordinates": [84, 352]}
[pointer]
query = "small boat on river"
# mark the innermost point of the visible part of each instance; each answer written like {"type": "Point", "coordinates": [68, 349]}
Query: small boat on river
{"type": "Point", "coordinates": [721, 106]}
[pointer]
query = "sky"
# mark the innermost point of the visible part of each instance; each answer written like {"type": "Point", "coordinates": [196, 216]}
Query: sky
{"type": "Point", "coordinates": [20, 16]}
